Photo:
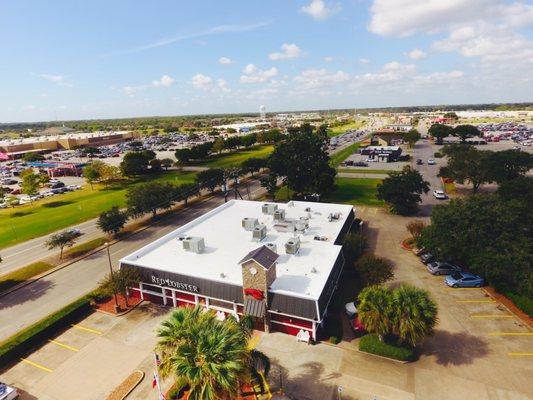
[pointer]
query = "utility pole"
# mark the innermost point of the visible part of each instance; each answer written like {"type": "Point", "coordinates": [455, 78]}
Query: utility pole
{"type": "Point", "coordinates": [117, 308]}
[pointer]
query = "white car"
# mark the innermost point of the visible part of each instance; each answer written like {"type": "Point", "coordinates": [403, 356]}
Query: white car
{"type": "Point", "coordinates": [431, 161]}
{"type": "Point", "coordinates": [7, 393]}
{"type": "Point", "coordinates": [350, 309]}
{"type": "Point", "coordinates": [439, 194]}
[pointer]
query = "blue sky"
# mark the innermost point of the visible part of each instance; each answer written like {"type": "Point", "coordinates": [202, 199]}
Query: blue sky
{"type": "Point", "coordinates": [104, 59]}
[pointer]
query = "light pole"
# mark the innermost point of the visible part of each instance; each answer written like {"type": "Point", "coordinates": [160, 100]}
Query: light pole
{"type": "Point", "coordinates": [117, 308]}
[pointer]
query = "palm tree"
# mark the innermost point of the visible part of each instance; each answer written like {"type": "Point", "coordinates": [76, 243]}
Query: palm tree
{"type": "Point", "coordinates": [212, 357]}
{"type": "Point", "coordinates": [415, 314]}
{"type": "Point", "coordinates": [375, 310]}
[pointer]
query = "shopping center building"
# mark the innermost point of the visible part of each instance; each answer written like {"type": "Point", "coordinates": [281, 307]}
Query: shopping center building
{"type": "Point", "coordinates": [279, 263]}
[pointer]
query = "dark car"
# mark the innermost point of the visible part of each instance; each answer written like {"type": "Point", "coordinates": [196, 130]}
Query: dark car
{"type": "Point", "coordinates": [419, 162]}
{"type": "Point", "coordinates": [361, 164]}
{"type": "Point", "coordinates": [57, 185]}
{"type": "Point", "coordinates": [427, 258]}
{"type": "Point", "coordinates": [442, 268]}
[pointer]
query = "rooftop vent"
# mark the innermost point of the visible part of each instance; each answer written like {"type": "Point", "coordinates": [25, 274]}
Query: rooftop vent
{"type": "Point", "coordinates": [321, 238]}
{"type": "Point", "coordinates": [249, 223]}
{"type": "Point", "coordinates": [259, 232]}
{"type": "Point", "coordinates": [301, 225]}
{"type": "Point", "coordinates": [285, 226]}
{"type": "Point", "coordinates": [193, 244]}
{"type": "Point", "coordinates": [314, 270]}
{"type": "Point", "coordinates": [279, 215]}
{"type": "Point", "coordinates": [293, 245]}
{"type": "Point", "coordinates": [334, 216]}
{"type": "Point", "coordinates": [308, 209]}
{"type": "Point", "coordinates": [269, 208]}
{"type": "Point", "coordinates": [272, 246]}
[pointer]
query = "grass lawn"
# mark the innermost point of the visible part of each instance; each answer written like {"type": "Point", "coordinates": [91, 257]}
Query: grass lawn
{"type": "Point", "coordinates": [236, 158]}
{"type": "Point", "coordinates": [23, 274]}
{"type": "Point", "coordinates": [363, 171]}
{"type": "Point", "coordinates": [44, 216]}
{"type": "Point", "coordinates": [339, 130]}
{"type": "Point", "coordinates": [355, 191]}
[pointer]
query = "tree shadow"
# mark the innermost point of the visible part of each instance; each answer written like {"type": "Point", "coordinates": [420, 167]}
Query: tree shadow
{"type": "Point", "coordinates": [21, 214]}
{"type": "Point", "coordinates": [31, 292]}
{"type": "Point", "coordinates": [371, 235]}
{"type": "Point", "coordinates": [55, 204]}
{"type": "Point", "coordinates": [454, 348]}
{"type": "Point", "coordinates": [307, 384]}
{"type": "Point", "coordinates": [424, 210]}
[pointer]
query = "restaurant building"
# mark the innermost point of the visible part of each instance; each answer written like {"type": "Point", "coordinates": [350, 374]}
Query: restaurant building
{"type": "Point", "coordinates": [279, 263]}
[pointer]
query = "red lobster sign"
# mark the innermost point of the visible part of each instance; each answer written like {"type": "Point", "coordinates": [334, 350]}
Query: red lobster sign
{"type": "Point", "coordinates": [255, 293]}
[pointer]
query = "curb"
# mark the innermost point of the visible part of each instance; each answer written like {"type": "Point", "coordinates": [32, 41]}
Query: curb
{"type": "Point", "coordinates": [507, 308]}
{"type": "Point", "coordinates": [133, 386]}
{"type": "Point", "coordinates": [122, 313]}
{"type": "Point", "coordinates": [383, 357]}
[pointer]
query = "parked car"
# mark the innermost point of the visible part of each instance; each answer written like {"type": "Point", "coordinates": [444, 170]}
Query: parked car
{"type": "Point", "coordinates": [356, 325]}
{"type": "Point", "coordinates": [56, 185]}
{"type": "Point", "coordinates": [442, 268]}
{"type": "Point", "coordinates": [431, 161]}
{"type": "Point", "coordinates": [464, 279]}
{"type": "Point", "coordinates": [439, 194]}
{"type": "Point", "coordinates": [350, 309]}
{"type": "Point", "coordinates": [9, 181]}
{"type": "Point", "coordinates": [74, 231]}
{"type": "Point", "coordinates": [361, 164]}
{"type": "Point", "coordinates": [7, 392]}
{"type": "Point", "coordinates": [419, 162]}
{"type": "Point", "coordinates": [418, 251]}
{"type": "Point", "coordinates": [426, 258]}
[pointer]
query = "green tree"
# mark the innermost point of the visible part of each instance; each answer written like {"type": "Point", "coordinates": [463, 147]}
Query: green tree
{"type": "Point", "coordinates": [112, 221]}
{"type": "Point", "coordinates": [91, 173]}
{"type": "Point", "coordinates": [411, 137]}
{"type": "Point", "coordinates": [61, 240]}
{"type": "Point", "coordinates": [252, 165]}
{"type": "Point", "coordinates": [465, 131]}
{"type": "Point", "coordinates": [149, 197]}
{"type": "Point", "coordinates": [31, 157]}
{"type": "Point", "coordinates": [466, 163]}
{"type": "Point", "coordinates": [218, 145]}
{"type": "Point", "coordinates": [439, 132]}
{"type": "Point", "coordinates": [509, 164]}
{"type": "Point", "coordinates": [451, 115]}
{"type": "Point", "coordinates": [303, 161]}
{"type": "Point", "coordinates": [415, 228]}
{"type": "Point", "coordinates": [183, 155]}
{"type": "Point", "coordinates": [185, 191]}
{"type": "Point", "coordinates": [155, 166]}
{"type": "Point", "coordinates": [402, 190]}
{"type": "Point", "coordinates": [136, 163]}
{"type": "Point", "coordinates": [120, 282]}
{"type": "Point", "coordinates": [270, 183]}
{"type": "Point", "coordinates": [353, 247]}
{"type": "Point", "coordinates": [414, 314]}
{"type": "Point", "coordinates": [30, 183]}
{"type": "Point", "coordinates": [210, 178]}
{"type": "Point", "coordinates": [374, 310]}
{"type": "Point", "coordinates": [166, 163]}
{"type": "Point", "coordinates": [373, 270]}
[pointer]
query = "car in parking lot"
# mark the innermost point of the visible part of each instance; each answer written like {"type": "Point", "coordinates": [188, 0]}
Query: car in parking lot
{"type": "Point", "coordinates": [7, 392]}
{"type": "Point", "coordinates": [361, 164]}
{"type": "Point", "coordinates": [431, 161]}
{"type": "Point", "coordinates": [426, 258]}
{"type": "Point", "coordinates": [74, 231]}
{"type": "Point", "coordinates": [350, 309]}
{"type": "Point", "coordinates": [439, 194]}
{"type": "Point", "coordinates": [351, 312]}
{"type": "Point", "coordinates": [419, 162]}
{"type": "Point", "coordinates": [464, 279]}
{"type": "Point", "coordinates": [442, 268]}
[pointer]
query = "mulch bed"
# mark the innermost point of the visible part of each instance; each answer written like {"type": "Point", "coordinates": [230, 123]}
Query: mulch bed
{"type": "Point", "coordinates": [406, 245]}
{"type": "Point", "coordinates": [126, 386]}
{"type": "Point", "coordinates": [109, 304]}
{"type": "Point", "coordinates": [510, 305]}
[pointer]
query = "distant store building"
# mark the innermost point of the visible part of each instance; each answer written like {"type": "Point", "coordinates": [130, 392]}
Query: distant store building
{"type": "Point", "coordinates": [382, 153]}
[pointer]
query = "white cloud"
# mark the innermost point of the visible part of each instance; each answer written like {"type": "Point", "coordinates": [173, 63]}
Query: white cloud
{"type": "Point", "coordinates": [252, 74]}
{"type": "Point", "coordinates": [288, 51]}
{"type": "Point", "coordinates": [201, 81]}
{"type": "Point", "coordinates": [320, 78]}
{"type": "Point", "coordinates": [438, 77]}
{"type": "Point", "coordinates": [57, 79]}
{"type": "Point", "coordinates": [328, 59]}
{"type": "Point", "coordinates": [319, 10]}
{"type": "Point", "coordinates": [416, 54]}
{"type": "Point", "coordinates": [225, 60]}
{"type": "Point", "coordinates": [165, 81]}
{"type": "Point", "coordinates": [223, 85]}
{"type": "Point", "coordinates": [390, 72]}
{"type": "Point", "coordinates": [364, 61]}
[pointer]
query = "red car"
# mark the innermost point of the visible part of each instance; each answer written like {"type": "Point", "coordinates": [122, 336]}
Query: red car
{"type": "Point", "coordinates": [356, 325]}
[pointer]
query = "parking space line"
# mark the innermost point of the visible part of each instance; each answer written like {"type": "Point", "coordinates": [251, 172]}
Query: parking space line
{"type": "Point", "coordinates": [83, 328]}
{"type": "Point", "coordinates": [65, 346]}
{"type": "Point", "coordinates": [520, 354]}
{"type": "Point", "coordinates": [34, 364]}
{"type": "Point", "coordinates": [511, 334]}
{"type": "Point", "coordinates": [492, 316]}
{"type": "Point", "coordinates": [476, 301]}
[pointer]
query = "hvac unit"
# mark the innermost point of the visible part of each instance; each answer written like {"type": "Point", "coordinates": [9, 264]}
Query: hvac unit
{"type": "Point", "coordinates": [272, 246]}
{"type": "Point", "coordinates": [279, 215]}
{"type": "Point", "coordinates": [269, 208]}
{"type": "Point", "coordinates": [259, 232]}
{"type": "Point", "coordinates": [292, 246]}
{"type": "Point", "coordinates": [301, 226]}
{"type": "Point", "coordinates": [194, 244]}
{"type": "Point", "coordinates": [286, 226]}
{"type": "Point", "coordinates": [334, 216]}
{"type": "Point", "coordinates": [249, 223]}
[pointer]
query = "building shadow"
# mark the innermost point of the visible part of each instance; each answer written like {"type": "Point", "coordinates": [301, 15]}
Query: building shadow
{"type": "Point", "coordinates": [371, 235]}
{"type": "Point", "coordinates": [454, 348]}
{"type": "Point", "coordinates": [31, 292]}
{"type": "Point", "coordinates": [309, 384]}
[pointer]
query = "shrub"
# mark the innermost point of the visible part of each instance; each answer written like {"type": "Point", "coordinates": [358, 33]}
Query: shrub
{"type": "Point", "coordinates": [524, 303]}
{"type": "Point", "coordinates": [84, 248]}
{"type": "Point", "coordinates": [371, 344]}
{"type": "Point", "coordinates": [373, 270]}
{"type": "Point", "coordinates": [353, 247]}
{"type": "Point", "coordinates": [20, 275]}
{"type": "Point", "coordinates": [334, 340]}
{"type": "Point", "coordinates": [415, 228]}
{"type": "Point", "coordinates": [438, 154]}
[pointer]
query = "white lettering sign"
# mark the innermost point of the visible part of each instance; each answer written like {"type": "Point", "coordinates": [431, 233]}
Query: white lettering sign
{"type": "Point", "coordinates": [174, 284]}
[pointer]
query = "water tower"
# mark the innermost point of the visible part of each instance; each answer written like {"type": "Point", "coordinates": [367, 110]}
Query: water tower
{"type": "Point", "coordinates": [262, 111]}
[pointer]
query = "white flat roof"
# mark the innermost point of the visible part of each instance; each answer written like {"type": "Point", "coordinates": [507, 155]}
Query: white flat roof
{"type": "Point", "coordinates": [227, 242]}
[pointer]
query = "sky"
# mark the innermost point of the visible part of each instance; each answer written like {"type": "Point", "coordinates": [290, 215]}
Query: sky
{"type": "Point", "coordinates": [78, 59]}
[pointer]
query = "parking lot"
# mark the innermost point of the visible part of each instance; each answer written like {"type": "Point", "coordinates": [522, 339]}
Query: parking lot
{"type": "Point", "coordinates": [91, 358]}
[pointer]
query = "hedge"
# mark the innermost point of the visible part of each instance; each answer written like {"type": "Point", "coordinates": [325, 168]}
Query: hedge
{"type": "Point", "coordinates": [19, 344]}
{"type": "Point", "coordinates": [84, 248]}
{"type": "Point", "coordinates": [524, 303]}
{"type": "Point", "coordinates": [371, 344]}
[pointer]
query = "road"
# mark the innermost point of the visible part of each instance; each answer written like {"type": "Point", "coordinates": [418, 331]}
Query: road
{"type": "Point", "coordinates": [29, 304]}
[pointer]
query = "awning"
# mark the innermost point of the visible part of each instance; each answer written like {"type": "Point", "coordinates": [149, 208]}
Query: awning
{"type": "Point", "coordinates": [255, 308]}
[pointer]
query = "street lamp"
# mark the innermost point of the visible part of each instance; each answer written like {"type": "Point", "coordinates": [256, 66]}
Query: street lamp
{"type": "Point", "coordinates": [117, 308]}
